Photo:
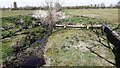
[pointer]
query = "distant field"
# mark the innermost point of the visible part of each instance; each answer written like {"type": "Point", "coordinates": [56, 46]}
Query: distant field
{"type": "Point", "coordinates": [108, 14]}
{"type": "Point", "coordinates": [7, 13]}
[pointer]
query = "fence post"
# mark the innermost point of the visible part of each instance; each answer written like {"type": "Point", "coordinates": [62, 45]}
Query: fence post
{"type": "Point", "coordinates": [114, 39]}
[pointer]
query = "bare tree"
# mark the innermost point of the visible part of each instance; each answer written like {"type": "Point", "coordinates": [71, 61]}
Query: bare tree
{"type": "Point", "coordinates": [51, 16]}
{"type": "Point", "coordinates": [102, 5]}
{"type": "Point", "coordinates": [58, 6]}
{"type": "Point", "coordinates": [111, 5]}
{"type": "Point", "coordinates": [95, 6]}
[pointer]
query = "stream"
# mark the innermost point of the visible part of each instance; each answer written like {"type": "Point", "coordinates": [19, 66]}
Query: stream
{"type": "Point", "coordinates": [35, 61]}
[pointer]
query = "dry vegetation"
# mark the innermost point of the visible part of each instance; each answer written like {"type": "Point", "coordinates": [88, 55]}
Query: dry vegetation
{"type": "Point", "coordinates": [110, 15]}
{"type": "Point", "coordinates": [8, 13]}
{"type": "Point", "coordinates": [107, 14]}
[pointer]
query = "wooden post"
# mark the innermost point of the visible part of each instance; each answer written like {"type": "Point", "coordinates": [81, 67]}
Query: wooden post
{"type": "Point", "coordinates": [114, 38]}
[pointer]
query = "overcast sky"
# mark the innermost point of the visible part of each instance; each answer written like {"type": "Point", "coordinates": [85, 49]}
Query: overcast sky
{"type": "Point", "coordinates": [9, 3]}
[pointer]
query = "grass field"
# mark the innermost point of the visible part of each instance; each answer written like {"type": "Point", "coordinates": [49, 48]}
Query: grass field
{"type": "Point", "coordinates": [65, 45]}
{"type": "Point", "coordinates": [107, 14]}
{"type": "Point", "coordinates": [9, 13]}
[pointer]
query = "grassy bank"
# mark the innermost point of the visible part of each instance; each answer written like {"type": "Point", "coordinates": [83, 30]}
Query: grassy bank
{"type": "Point", "coordinates": [71, 49]}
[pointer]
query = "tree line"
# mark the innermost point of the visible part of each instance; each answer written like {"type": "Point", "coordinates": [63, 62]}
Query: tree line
{"type": "Point", "coordinates": [91, 6]}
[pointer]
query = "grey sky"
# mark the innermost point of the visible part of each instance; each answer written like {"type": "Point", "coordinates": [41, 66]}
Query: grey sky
{"type": "Point", "coordinates": [9, 3]}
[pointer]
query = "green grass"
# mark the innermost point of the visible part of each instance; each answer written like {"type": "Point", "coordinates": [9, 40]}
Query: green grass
{"type": "Point", "coordinates": [6, 49]}
{"type": "Point", "coordinates": [12, 21]}
{"type": "Point", "coordinates": [82, 20]}
{"type": "Point", "coordinates": [7, 45]}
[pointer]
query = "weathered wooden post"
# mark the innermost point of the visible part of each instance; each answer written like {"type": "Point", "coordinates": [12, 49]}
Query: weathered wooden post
{"type": "Point", "coordinates": [114, 39]}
